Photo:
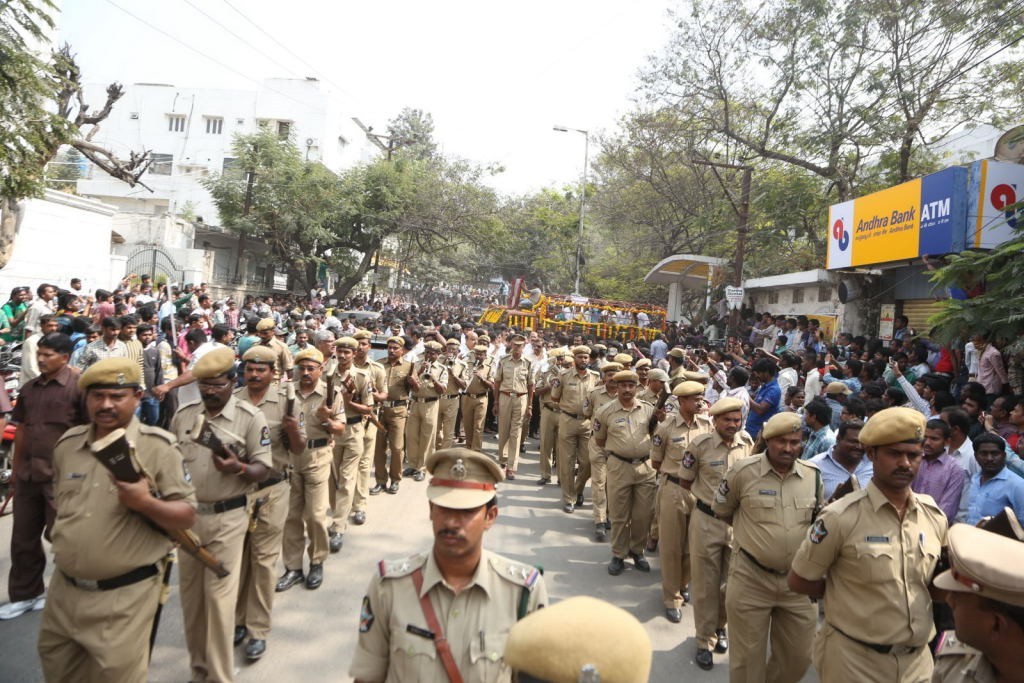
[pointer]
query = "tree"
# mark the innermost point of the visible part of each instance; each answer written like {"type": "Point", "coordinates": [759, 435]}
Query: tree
{"type": "Point", "coordinates": [65, 170]}
{"type": "Point", "coordinates": [411, 134]}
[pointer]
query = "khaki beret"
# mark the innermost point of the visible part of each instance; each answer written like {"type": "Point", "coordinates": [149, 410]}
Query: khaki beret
{"type": "Point", "coordinates": [893, 425]}
{"type": "Point", "coordinates": [688, 389]}
{"type": "Point", "coordinates": [780, 424]}
{"type": "Point", "coordinates": [517, 339]}
{"type": "Point", "coordinates": [346, 343]}
{"type": "Point", "coordinates": [309, 354]}
{"type": "Point", "coordinates": [611, 367]}
{"type": "Point", "coordinates": [484, 339]}
{"type": "Point", "coordinates": [397, 340]}
{"type": "Point", "coordinates": [599, 347]}
{"type": "Point", "coordinates": [677, 353]}
{"type": "Point", "coordinates": [480, 347]}
{"type": "Point", "coordinates": [214, 363]}
{"type": "Point", "coordinates": [362, 334]}
{"type": "Point", "coordinates": [695, 376]}
{"type": "Point", "coordinates": [643, 363]}
{"type": "Point", "coordinates": [433, 346]}
{"type": "Point", "coordinates": [259, 353]}
{"type": "Point", "coordinates": [834, 388]}
{"type": "Point", "coordinates": [657, 374]}
{"type": "Point", "coordinates": [556, 643]}
{"type": "Point", "coordinates": [578, 350]}
{"type": "Point", "coordinates": [462, 479]}
{"type": "Point", "coordinates": [984, 564]}
{"type": "Point", "coordinates": [265, 324]}
{"type": "Point", "coordinates": [728, 404]}
{"type": "Point", "coordinates": [556, 353]}
{"type": "Point", "coordinates": [625, 376]}
{"type": "Point", "coordinates": [623, 358]}
{"type": "Point", "coordinates": [111, 372]}
{"type": "Point", "coordinates": [453, 342]}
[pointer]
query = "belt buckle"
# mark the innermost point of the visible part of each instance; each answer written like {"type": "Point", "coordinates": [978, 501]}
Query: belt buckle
{"type": "Point", "coordinates": [205, 508]}
{"type": "Point", "coordinates": [86, 584]}
{"type": "Point", "coordinates": [902, 650]}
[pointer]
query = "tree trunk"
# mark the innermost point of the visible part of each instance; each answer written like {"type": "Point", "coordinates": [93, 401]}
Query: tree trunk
{"type": "Point", "coordinates": [345, 285]}
{"type": "Point", "coordinates": [11, 215]}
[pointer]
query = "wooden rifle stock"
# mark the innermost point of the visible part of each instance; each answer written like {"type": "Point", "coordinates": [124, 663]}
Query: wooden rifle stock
{"type": "Point", "coordinates": [653, 423]}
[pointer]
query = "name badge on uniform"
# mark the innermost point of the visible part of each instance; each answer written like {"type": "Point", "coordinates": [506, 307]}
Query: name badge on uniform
{"type": "Point", "coordinates": [876, 539]}
{"type": "Point", "coordinates": [716, 463]}
{"type": "Point", "coordinates": [677, 439]}
{"type": "Point", "coordinates": [765, 492]}
{"type": "Point", "coordinates": [620, 420]}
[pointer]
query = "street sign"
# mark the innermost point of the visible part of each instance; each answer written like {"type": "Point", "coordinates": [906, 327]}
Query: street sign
{"type": "Point", "coordinates": [734, 297]}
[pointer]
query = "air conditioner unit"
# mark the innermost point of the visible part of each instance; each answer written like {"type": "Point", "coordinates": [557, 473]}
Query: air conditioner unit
{"type": "Point", "coordinates": [239, 122]}
{"type": "Point", "coordinates": [312, 142]}
{"type": "Point", "coordinates": [134, 116]}
{"type": "Point", "coordinates": [849, 290]}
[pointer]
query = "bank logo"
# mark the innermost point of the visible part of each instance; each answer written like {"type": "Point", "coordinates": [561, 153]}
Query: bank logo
{"type": "Point", "coordinates": [1004, 198]}
{"type": "Point", "coordinates": [841, 234]}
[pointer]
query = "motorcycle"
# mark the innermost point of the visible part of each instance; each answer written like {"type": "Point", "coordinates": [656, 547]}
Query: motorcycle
{"type": "Point", "coordinates": [9, 375]}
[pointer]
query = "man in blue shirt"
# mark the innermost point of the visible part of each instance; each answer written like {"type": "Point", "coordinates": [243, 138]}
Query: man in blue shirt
{"type": "Point", "coordinates": [845, 458]}
{"type": "Point", "coordinates": [993, 487]}
{"type": "Point", "coordinates": [766, 402]}
{"type": "Point", "coordinates": [850, 376]}
{"type": "Point", "coordinates": [818, 418]}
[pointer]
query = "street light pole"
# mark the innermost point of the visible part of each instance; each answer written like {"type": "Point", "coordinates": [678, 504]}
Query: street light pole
{"type": "Point", "coordinates": [583, 199]}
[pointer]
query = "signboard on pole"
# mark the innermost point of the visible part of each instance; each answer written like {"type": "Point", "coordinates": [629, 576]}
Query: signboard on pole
{"type": "Point", "coordinates": [886, 318]}
{"type": "Point", "coordinates": [734, 297]}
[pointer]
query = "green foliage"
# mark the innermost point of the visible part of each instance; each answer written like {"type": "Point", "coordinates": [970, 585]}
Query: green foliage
{"type": "Point", "coordinates": [65, 170]}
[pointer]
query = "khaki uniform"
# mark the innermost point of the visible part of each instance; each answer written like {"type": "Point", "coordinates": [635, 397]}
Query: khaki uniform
{"type": "Point", "coordinates": [379, 377]}
{"type": "Point", "coordinates": [569, 389]}
{"type": "Point", "coordinates": [448, 411]}
{"type": "Point", "coordinates": [474, 403]}
{"type": "Point", "coordinates": [309, 497]}
{"type": "Point", "coordinates": [957, 662]}
{"type": "Point", "coordinates": [348, 447]}
{"type": "Point", "coordinates": [631, 479]}
{"type": "Point", "coordinates": [266, 528]}
{"type": "Point", "coordinates": [704, 464]}
{"type": "Point", "coordinates": [393, 644]}
{"type": "Point", "coordinates": [549, 418]}
{"type": "Point", "coordinates": [393, 416]}
{"type": "Point", "coordinates": [770, 517]}
{"type": "Point", "coordinates": [675, 377]}
{"type": "Point", "coordinates": [100, 636]}
{"type": "Point", "coordinates": [514, 382]}
{"type": "Point", "coordinates": [674, 503]}
{"type": "Point", "coordinates": [597, 460]}
{"type": "Point", "coordinates": [421, 428]}
{"type": "Point", "coordinates": [877, 571]}
{"type": "Point", "coordinates": [208, 602]}
{"type": "Point", "coordinates": [283, 361]}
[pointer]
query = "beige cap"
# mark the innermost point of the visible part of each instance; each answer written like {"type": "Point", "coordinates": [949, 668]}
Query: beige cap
{"type": "Point", "coordinates": [985, 564]}
{"type": "Point", "coordinates": [677, 353]}
{"type": "Point", "coordinates": [433, 346]}
{"type": "Point", "coordinates": [642, 363]}
{"type": "Point", "coordinates": [453, 342]}
{"type": "Point", "coordinates": [462, 479]}
{"type": "Point", "coordinates": [834, 388]}
{"type": "Point", "coordinates": [111, 372]}
{"type": "Point", "coordinates": [657, 374]}
{"type": "Point", "coordinates": [611, 367]}
{"type": "Point", "coordinates": [623, 358]}
{"type": "Point", "coordinates": [309, 354]}
{"type": "Point", "coordinates": [625, 376]}
{"type": "Point", "coordinates": [362, 334]}
{"type": "Point", "coordinates": [517, 339]}
{"type": "Point", "coordinates": [577, 350]}
{"type": "Point", "coordinates": [397, 340]}
{"type": "Point", "coordinates": [480, 347]}
{"type": "Point", "coordinates": [214, 363]}
{"type": "Point", "coordinates": [346, 343]}
{"type": "Point", "coordinates": [259, 353]}
{"type": "Point", "coordinates": [559, 642]}
{"type": "Point", "coordinates": [265, 324]}
{"type": "Point", "coordinates": [893, 425]}
{"type": "Point", "coordinates": [695, 376]}
{"type": "Point", "coordinates": [725, 405]}
{"type": "Point", "coordinates": [688, 389]}
{"type": "Point", "coordinates": [780, 424]}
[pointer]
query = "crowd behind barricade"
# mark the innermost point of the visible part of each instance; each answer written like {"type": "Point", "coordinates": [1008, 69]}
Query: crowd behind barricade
{"type": "Point", "coordinates": [754, 464]}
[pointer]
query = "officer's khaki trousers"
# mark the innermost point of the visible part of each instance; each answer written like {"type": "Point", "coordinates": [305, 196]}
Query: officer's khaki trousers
{"type": "Point", "coordinates": [597, 470]}
{"type": "Point", "coordinates": [630, 504]}
{"type": "Point", "coordinates": [675, 506]}
{"type": "Point", "coordinates": [763, 610]}
{"type": "Point", "coordinates": [365, 465]}
{"type": "Point", "coordinates": [97, 636]}
{"type": "Point", "coordinates": [572, 446]}
{"type": "Point", "coordinates": [837, 659]}
{"type": "Point", "coordinates": [511, 410]}
{"type": "Point", "coordinates": [474, 415]}
{"type": "Point", "coordinates": [447, 414]}
{"type": "Point", "coordinates": [308, 503]}
{"type": "Point", "coordinates": [348, 452]}
{"type": "Point", "coordinates": [420, 432]}
{"type": "Point", "coordinates": [710, 539]}
{"type": "Point", "coordinates": [394, 419]}
{"type": "Point", "coordinates": [549, 418]}
{"type": "Point", "coordinates": [208, 602]}
{"type": "Point", "coordinates": [259, 561]}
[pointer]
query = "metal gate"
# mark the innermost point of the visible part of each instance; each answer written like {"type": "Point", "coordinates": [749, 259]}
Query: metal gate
{"type": "Point", "coordinates": [155, 262]}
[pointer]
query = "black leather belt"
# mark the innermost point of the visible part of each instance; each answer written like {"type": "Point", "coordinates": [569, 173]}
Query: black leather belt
{"type": "Point", "coordinates": [396, 404]}
{"type": "Point", "coordinates": [631, 461]}
{"type": "Point", "coordinates": [222, 505]}
{"type": "Point", "coordinates": [126, 579]}
{"type": "Point", "coordinates": [705, 508]}
{"type": "Point", "coordinates": [576, 416]}
{"type": "Point", "coordinates": [317, 443]}
{"type": "Point", "coordinates": [882, 649]}
{"type": "Point", "coordinates": [429, 399]}
{"type": "Point", "coordinates": [353, 420]}
{"type": "Point", "coordinates": [513, 393]}
{"type": "Point", "coordinates": [553, 409]}
{"type": "Point", "coordinates": [271, 481]}
{"type": "Point", "coordinates": [760, 566]}
{"type": "Point", "coordinates": [451, 396]}
{"type": "Point", "coordinates": [674, 479]}
{"type": "Point", "coordinates": [480, 395]}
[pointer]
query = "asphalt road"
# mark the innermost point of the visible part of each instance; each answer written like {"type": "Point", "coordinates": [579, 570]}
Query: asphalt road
{"type": "Point", "coordinates": [314, 632]}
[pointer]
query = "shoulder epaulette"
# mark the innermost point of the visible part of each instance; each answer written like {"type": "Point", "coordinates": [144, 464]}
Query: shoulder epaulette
{"type": "Point", "coordinates": [699, 439]}
{"type": "Point", "coordinates": [746, 462]}
{"type": "Point", "coordinates": [744, 436]}
{"type": "Point", "coordinates": [950, 645]}
{"type": "Point", "coordinates": [73, 431]}
{"type": "Point", "coordinates": [515, 572]}
{"type": "Point", "coordinates": [808, 464]}
{"type": "Point", "coordinates": [247, 407]}
{"type": "Point", "coordinates": [393, 569]}
{"type": "Point", "coordinates": [157, 431]}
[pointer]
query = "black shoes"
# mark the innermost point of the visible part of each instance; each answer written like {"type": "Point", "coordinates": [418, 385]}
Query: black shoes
{"type": "Point", "coordinates": [616, 566]}
{"type": "Point", "coordinates": [579, 501]}
{"type": "Point", "coordinates": [335, 541]}
{"type": "Point", "coordinates": [418, 475]}
{"type": "Point", "coordinates": [359, 517]}
{"type": "Point", "coordinates": [255, 648]}
{"type": "Point", "coordinates": [722, 646]}
{"type": "Point", "coordinates": [567, 507]}
{"type": "Point", "coordinates": [289, 579]}
{"type": "Point", "coordinates": [704, 659]}
{"type": "Point", "coordinates": [686, 595]}
{"type": "Point", "coordinates": [393, 489]}
{"type": "Point", "coordinates": [652, 545]}
{"type": "Point", "coordinates": [408, 471]}
{"type": "Point", "coordinates": [377, 489]}
{"type": "Point", "coordinates": [600, 533]}
{"type": "Point", "coordinates": [674, 614]}
{"type": "Point", "coordinates": [543, 480]}
{"type": "Point", "coordinates": [240, 633]}
{"type": "Point", "coordinates": [639, 562]}
{"type": "Point", "coordinates": [316, 576]}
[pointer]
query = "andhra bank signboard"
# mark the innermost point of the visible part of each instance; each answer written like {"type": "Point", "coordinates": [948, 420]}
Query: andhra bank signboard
{"type": "Point", "coordinates": [923, 216]}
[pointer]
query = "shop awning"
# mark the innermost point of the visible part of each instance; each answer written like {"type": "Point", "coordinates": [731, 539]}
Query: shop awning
{"type": "Point", "coordinates": [691, 271]}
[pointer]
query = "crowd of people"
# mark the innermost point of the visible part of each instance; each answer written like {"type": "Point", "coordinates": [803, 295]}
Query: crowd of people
{"type": "Point", "coordinates": [763, 468]}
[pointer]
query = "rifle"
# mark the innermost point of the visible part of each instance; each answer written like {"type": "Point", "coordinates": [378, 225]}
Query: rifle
{"type": "Point", "coordinates": [848, 486]}
{"type": "Point", "coordinates": [118, 456]}
{"type": "Point", "coordinates": [1005, 524]}
{"type": "Point", "coordinates": [203, 434]}
{"type": "Point", "coordinates": [652, 424]}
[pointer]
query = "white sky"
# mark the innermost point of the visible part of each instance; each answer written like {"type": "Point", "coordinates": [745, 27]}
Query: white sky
{"type": "Point", "coordinates": [495, 75]}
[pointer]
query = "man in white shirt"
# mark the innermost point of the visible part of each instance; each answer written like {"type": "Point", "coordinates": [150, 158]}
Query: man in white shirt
{"type": "Point", "coordinates": [812, 384]}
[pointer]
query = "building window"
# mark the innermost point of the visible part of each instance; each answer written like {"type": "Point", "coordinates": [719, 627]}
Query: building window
{"type": "Point", "coordinates": [176, 123]}
{"type": "Point", "coordinates": [824, 293]}
{"type": "Point", "coordinates": [214, 125]}
{"type": "Point", "coordinates": [284, 129]}
{"type": "Point", "coordinates": [773, 296]}
{"type": "Point", "coordinates": [161, 163]}
{"type": "Point", "coordinates": [228, 164]}
{"type": "Point", "coordinates": [798, 295]}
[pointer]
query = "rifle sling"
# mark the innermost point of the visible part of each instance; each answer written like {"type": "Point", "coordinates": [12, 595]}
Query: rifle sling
{"type": "Point", "coordinates": [444, 650]}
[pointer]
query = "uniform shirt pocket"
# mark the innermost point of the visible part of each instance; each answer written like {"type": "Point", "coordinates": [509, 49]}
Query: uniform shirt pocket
{"type": "Point", "coordinates": [878, 558]}
{"type": "Point", "coordinates": [412, 656]}
{"type": "Point", "coordinates": [486, 653]}
{"type": "Point", "coordinates": [762, 508]}
{"type": "Point", "coordinates": [804, 509]}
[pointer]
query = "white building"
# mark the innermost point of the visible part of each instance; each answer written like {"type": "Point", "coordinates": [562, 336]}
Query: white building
{"type": "Point", "coordinates": [190, 131]}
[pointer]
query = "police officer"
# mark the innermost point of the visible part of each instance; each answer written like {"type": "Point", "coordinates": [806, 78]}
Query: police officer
{"type": "Point", "coordinates": [621, 433]}
{"type": "Point", "coordinates": [470, 596]}
{"type": "Point", "coordinates": [985, 585]}
{"type": "Point", "coordinates": [569, 389]}
{"type": "Point", "coordinates": [705, 462]}
{"type": "Point", "coordinates": [448, 411]}
{"type": "Point", "coordinates": [597, 462]}
{"type": "Point", "coordinates": [266, 527]}
{"type": "Point", "coordinates": [393, 415]}
{"type": "Point", "coordinates": [283, 364]}
{"type": "Point", "coordinates": [671, 439]}
{"type": "Point", "coordinates": [363, 361]}
{"type": "Point", "coordinates": [355, 387]}
{"type": "Point", "coordinates": [428, 382]}
{"type": "Point", "coordinates": [222, 487]}
{"type": "Point", "coordinates": [549, 413]}
{"type": "Point", "coordinates": [474, 401]}
{"type": "Point", "coordinates": [871, 554]}
{"type": "Point", "coordinates": [103, 598]}
{"type": "Point", "coordinates": [771, 500]}
{"type": "Point", "coordinates": [309, 496]}
{"type": "Point", "coordinates": [513, 397]}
